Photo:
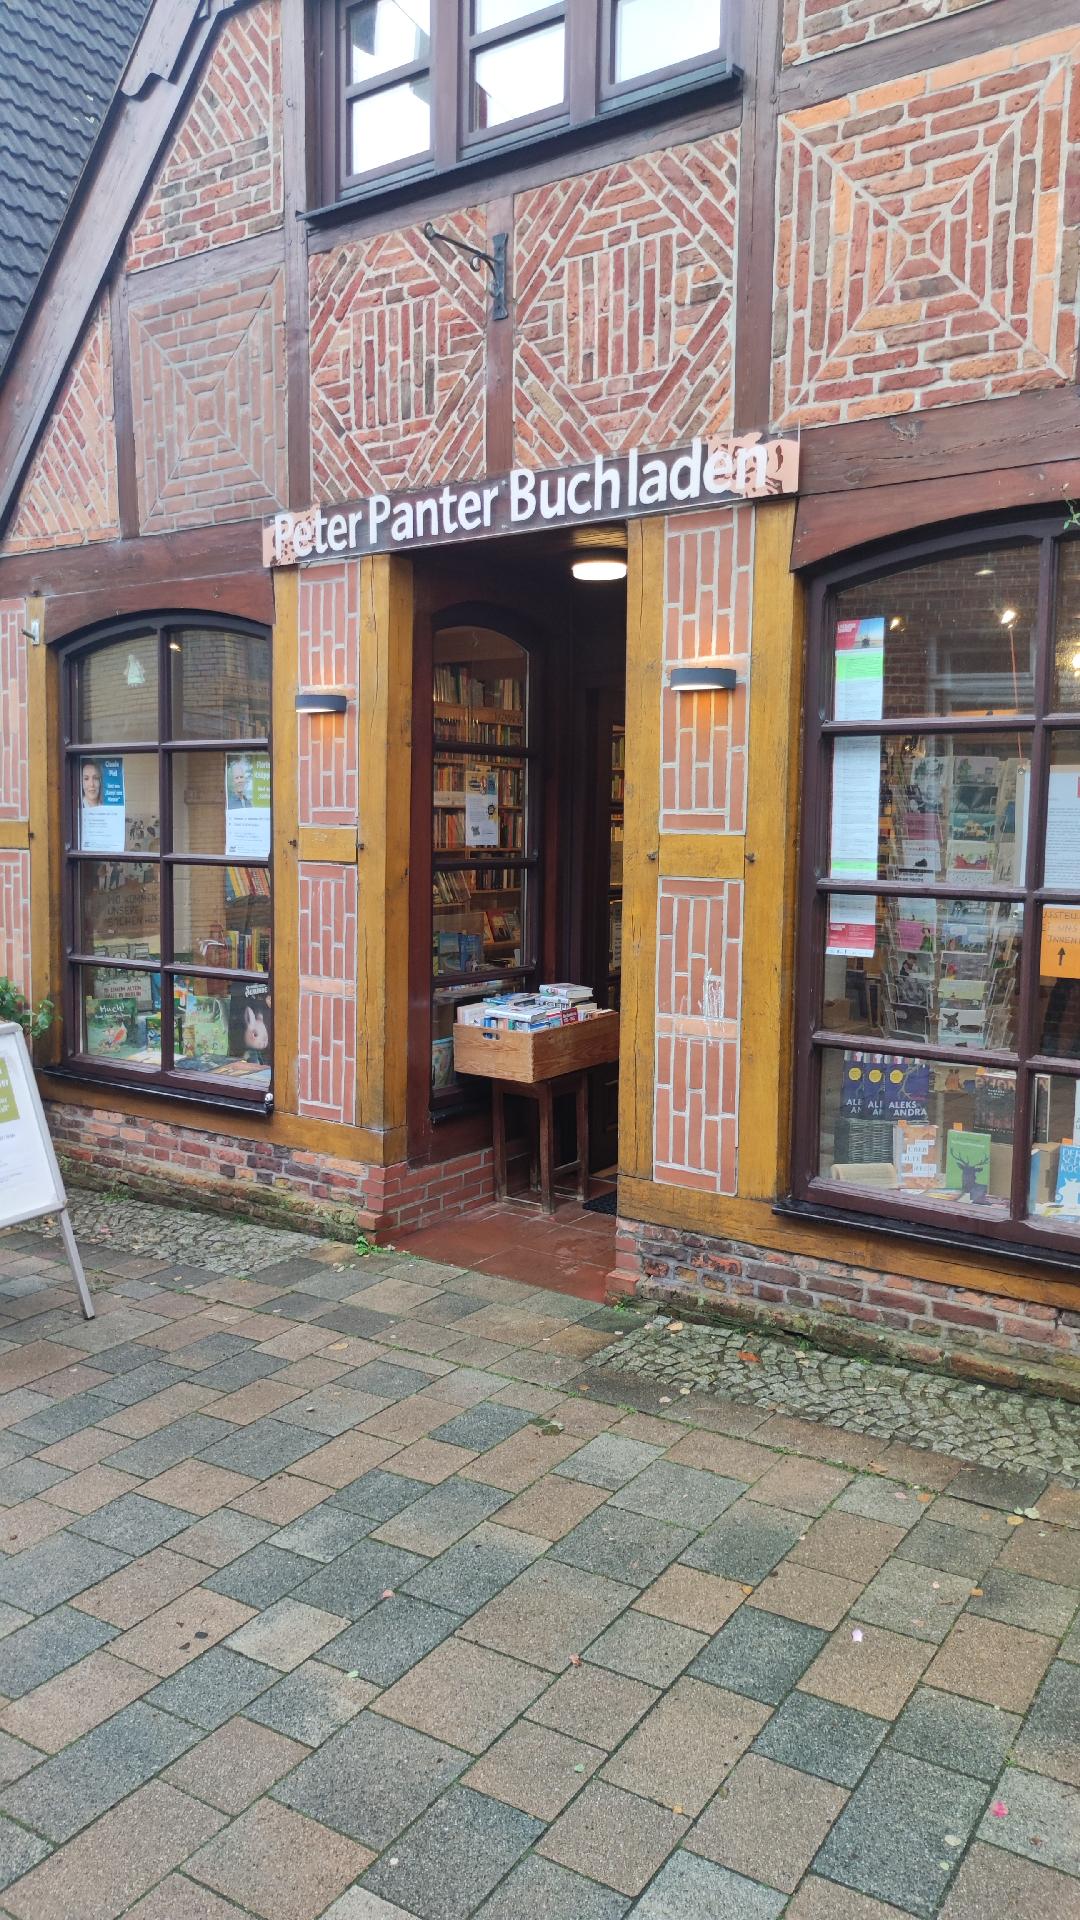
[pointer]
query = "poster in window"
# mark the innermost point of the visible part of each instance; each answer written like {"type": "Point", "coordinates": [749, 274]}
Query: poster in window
{"type": "Point", "coordinates": [1060, 959]}
{"type": "Point", "coordinates": [1063, 828]}
{"type": "Point", "coordinates": [481, 807]}
{"type": "Point", "coordinates": [852, 925]}
{"type": "Point", "coordinates": [860, 669]}
{"type": "Point", "coordinates": [251, 1023]}
{"type": "Point", "coordinates": [856, 809]}
{"type": "Point", "coordinates": [882, 1086]}
{"type": "Point", "coordinates": [247, 806]}
{"type": "Point", "coordinates": [102, 806]}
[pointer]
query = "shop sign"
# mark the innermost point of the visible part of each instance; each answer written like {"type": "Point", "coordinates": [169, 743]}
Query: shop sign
{"type": "Point", "coordinates": [706, 473]}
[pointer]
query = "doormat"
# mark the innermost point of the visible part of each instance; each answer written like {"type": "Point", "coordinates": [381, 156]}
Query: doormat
{"type": "Point", "coordinates": [604, 1203]}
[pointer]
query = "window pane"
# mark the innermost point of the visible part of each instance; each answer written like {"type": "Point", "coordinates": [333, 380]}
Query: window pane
{"type": "Point", "coordinates": [949, 809]}
{"type": "Point", "coordinates": [660, 33]}
{"type": "Point", "coordinates": [1058, 1029]}
{"type": "Point", "coordinates": [501, 13]}
{"type": "Point", "coordinates": [954, 636]}
{"type": "Point", "coordinates": [121, 1017]}
{"type": "Point", "coordinates": [518, 77]}
{"type": "Point", "coordinates": [942, 972]}
{"type": "Point", "coordinates": [479, 802]}
{"type": "Point", "coordinates": [1054, 1189]}
{"type": "Point", "coordinates": [220, 685]}
{"type": "Point", "coordinates": [386, 34]}
{"type": "Point", "coordinates": [918, 1128]}
{"type": "Point", "coordinates": [479, 687]}
{"type": "Point", "coordinates": [118, 910]}
{"type": "Point", "coordinates": [221, 917]}
{"type": "Point", "coordinates": [224, 1032]}
{"type": "Point", "coordinates": [390, 125]}
{"type": "Point", "coordinates": [1062, 862]}
{"type": "Point", "coordinates": [221, 804]}
{"type": "Point", "coordinates": [117, 800]}
{"type": "Point", "coordinates": [1066, 695]}
{"type": "Point", "coordinates": [116, 691]}
{"type": "Point", "coordinates": [477, 917]}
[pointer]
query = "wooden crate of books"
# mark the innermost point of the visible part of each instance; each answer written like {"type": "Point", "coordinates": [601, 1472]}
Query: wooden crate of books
{"type": "Point", "coordinates": [528, 1057]}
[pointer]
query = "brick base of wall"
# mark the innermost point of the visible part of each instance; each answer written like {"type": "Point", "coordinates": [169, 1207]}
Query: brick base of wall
{"type": "Point", "coordinates": [982, 1336]}
{"type": "Point", "coordinates": [159, 1160]}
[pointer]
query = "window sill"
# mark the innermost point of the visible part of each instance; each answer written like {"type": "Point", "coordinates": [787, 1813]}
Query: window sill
{"type": "Point", "coordinates": [1023, 1252]}
{"type": "Point", "coordinates": [713, 86]}
{"type": "Point", "coordinates": [258, 1108]}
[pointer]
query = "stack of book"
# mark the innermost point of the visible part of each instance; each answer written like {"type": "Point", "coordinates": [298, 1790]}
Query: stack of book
{"type": "Point", "coordinates": [560, 1005]}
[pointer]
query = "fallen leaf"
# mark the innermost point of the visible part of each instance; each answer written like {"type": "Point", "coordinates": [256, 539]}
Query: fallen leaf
{"type": "Point", "coordinates": [579, 1769]}
{"type": "Point", "coordinates": [924, 1499]}
{"type": "Point", "coordinates": [676, 1326]}
{"type": "Point", "coordinates": [999, 1810]}
{"type": "Point", "coordinates": [976, 1593]}
{"type": "Point", "coordinates": [748, 1589]}
{"type": "Point", "coordinates": [665, 1399]}
{"type": "Point", "coordinates": [1014, 1519]}
{"type": "Point", "coordinates": [576, 1660]}
{"type": "Point", "coordinates": [387, 1593]}
{"type": "Point", "coordinates": [953, 1840]}
{"type": "Point", "coordinates": [1031, 1513]}
{"type": "Point", "coordinates": [676, 1809]}
{"type": "Point", "coordinates": [751, 1359]}
{"type": "Point", "coordinates": [353, 1673]}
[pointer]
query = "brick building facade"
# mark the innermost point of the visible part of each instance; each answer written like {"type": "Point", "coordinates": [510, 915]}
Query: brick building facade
{"type": "Point", "coordinates": [855, 221]}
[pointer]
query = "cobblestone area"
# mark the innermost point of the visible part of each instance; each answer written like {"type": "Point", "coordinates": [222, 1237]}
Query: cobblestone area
{"type": "Point", "coordinates": [927, 1409]}
{"type": "Point", "coordinates": [217, 1242]}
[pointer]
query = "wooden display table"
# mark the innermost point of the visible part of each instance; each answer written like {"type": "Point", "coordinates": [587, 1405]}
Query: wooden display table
{"type": "Point", "coordinates": [539, 1067]}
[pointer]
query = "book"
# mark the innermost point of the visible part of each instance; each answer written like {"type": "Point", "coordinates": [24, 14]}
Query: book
{"type": "Point", "coordinates": [442, 1064]}
{"type": "Point", "coordinates": [917, 1155]}
{"type": "Point", "coordinates": [110, 1023]}
{"type": "Point", "coordinates": [967, 1164]}
{"type": "Point", "coordinates": [1067, 1190]}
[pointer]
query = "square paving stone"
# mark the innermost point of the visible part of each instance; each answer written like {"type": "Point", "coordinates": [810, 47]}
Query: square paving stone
{"type": "Point", "coordinates": [372, 1779]}
{"type": "Point", "coordinates": [286, 1634]}
{"type": "Point", "coordinates": [356, 1322]}
{"type": "Point", "coordinates": [462, 1693]}
{"type": "Point", "coordinates": [746, 1543]}
{"type": "Point", "coordinates": [74, 1701]}
{"type": "Point", "coordinates": [65, 1793]}
{"type": "Point", "coordinates": [1001, 1665]}
{"type": "Point", "coordinates": [16, 1758]}
{"type": "Point", "coordinates": [322, 1533]}
{"type": "Point", "coordinates": [1017, 1601]}
{"type": "Point", "coordinates": [311, 1703]}
{"type": "Point", "coordinates": [549, 1612]}
{"type": "Point", "coordinates": [805, 1593]}
{"type": "Point", "coordinates": [592, 1704]}
{"type": "Point", "coordinates": [59, 1419]}
{"type": "Point", "coordinates": [973, 1737]}
{"type": "Point", "coordinates": [267, 1446]}
{"type": "Point", "coordinates": [817, 1736]}
{"type": "Point", "coordinates": [262, 1576]}
{"type": "Point", "coordinates": [1050, 1740]}
{"type": "Point", "coordinates": [282, 1866]}
{"type": "Point", "coordinates": [768, 1823]}
{"type": "Point", "coordinates": [352, 1583]}
{"type": "Point", "coordinates": [543, 1891]}
{"type": "Point", "coordinates": [608, 1461]}
{"type": "Point", "coordinates": [622, 1545]}
{"type": "Point", "coordinates": [209, 1690]}
{"type": "Point", "coordinates": [331, 1410]}
{"type": "Point", "coordinates": [389, 1639]}
{"type": "Point", "coordinates": [19, 1851]}
{"type": "Point", "coordinates": [690, 1888]}
{"type": "Point", "coordinates": [104, 1870]}
{"type": "Point", "coordinates": [874, 1675]}
{"type": "Point", "coordinates": [379, 1495]}
{"type": "Point", "coordinates": [913, 1599]}
{"type": "Point", "coordinates": [686, 1746]}
{"type": "Point", "coordinates": [386, 1380]}
{"type": "Point", "coordinates": [44, 1647]}
{"type": "Point", "coordinates": [683, 1496]}
{"type": "Point", "coordinates": [690, 1598]}
{"type": "Point", "coordinates": [475, 1569]}
{"type": "Point", "coordinates": [899, 1827]}
{"type": "Point", "coordinates": [180, 1440]}
{"type": "Point", "coordinates": [236, 1764]}
{"type": "Point", "coordinates": [846, 1544]}
{"type": "Point", "coordinates": [798, 1485]}
{"type": "Point", "coordinates": [132, 1524]}
{"type": "Point", "coordinates": [646, 1648]}
{"type": "Point", "coordinates": [55, 1570]}
{"type": "Point", "coordinates": [240, 1370]}
{"type": "Point", "coordinates": [220, 1538]}
{"type": "Point", "coordinates": [819, 1899]}
{"type": "Point", "coordinates": [1047, 1553]}
{"type": "Point", "coordinates": [481, 1427]}
{"type": "Point", "coordinates": [759, 1654]}
{"type": "Point", "coordinates": [613, 1837]}
{"type": "Point", "coordinates": [455, 1855]}
{"type": "Point", "coordinates": [949, 1549]}
{"type": "Point", "coordinates": [444, 1514]}
{"type": "Point", "coordinates": [24, 1478]}
{"type": "Point", "coordinates": [535, 1769]}
{"type": "Point", "coordinates": [992, 1882]}
{"type": "Point", "coordinates": [1041, 1822]}
{"type": "Point", "coordinates": [127, 1388]}
{"type": "Point", "coordinates": [998, 1487]}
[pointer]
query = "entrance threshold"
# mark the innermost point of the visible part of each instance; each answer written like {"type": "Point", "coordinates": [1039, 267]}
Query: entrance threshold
{"type": "Point", "coordinates": [570, 1251]}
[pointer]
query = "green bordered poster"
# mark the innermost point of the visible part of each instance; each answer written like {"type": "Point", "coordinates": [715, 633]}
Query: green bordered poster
{"type": "Point", "coordinates": [31, 1185]}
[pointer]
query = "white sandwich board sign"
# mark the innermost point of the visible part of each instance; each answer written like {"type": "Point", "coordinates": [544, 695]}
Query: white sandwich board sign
{"type": "Point", "coordinates": [31, 1185]}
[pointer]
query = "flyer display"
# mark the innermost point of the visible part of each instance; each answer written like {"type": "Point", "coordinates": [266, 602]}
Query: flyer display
{"type": "Point", "coordinates": [31, 1185]}
{"type": "Point", "coordinates": [247, 806]}
{"type": "Point", "coordinates": [102, 806]}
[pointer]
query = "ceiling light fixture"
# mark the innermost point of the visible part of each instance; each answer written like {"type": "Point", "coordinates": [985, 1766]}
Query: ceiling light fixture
{"type": "Point", "coordinates": [1010, 617]}
{"type": "Point", "coordinates": [599, 566]}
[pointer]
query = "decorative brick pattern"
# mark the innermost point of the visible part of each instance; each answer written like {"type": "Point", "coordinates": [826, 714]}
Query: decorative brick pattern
{"type": "Point", "coordinates": [928, 239]}
{"type": "Point", "coordinates": [208, 379]}
{"type": "Point", "coordinates": [328, 762]}
{"type": "Point", "coordinates": [327, 1051]}
{"type": "Point", "coordinates": [708, 607]}
{"type": "Point", "coordinates": [699, 963]}
{"type": "Point", "coordinates": [257, 1176]}
{"type": "Point", "coordinates": [623, 287]}
{"type": "Point", "coordinates": [14, 722]}
{"type": "Point", "coordinates": [397, 363]}
{"type": "Point", "coordinates": [69, 494]}
{"type": "Point", "coordinates": [816, 27]}
{"type": "Point", "coordinates": [221, 180]}
{"type": "Point", "coordinates": [15, 918]}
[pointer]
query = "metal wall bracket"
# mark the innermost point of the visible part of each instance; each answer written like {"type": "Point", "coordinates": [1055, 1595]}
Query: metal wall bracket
{"type": "Point", "coordinates": [495, 262]}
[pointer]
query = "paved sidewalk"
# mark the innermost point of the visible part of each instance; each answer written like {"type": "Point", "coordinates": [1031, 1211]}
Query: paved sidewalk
{"type": "Point", "coordinates": [326, 1590]}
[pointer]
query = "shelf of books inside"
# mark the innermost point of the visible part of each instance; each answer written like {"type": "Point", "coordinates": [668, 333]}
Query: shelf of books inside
{"type": "Point", "coordinates": [479, 803]}
{"type": "Point", "coordinates": [618, 766]}
{"type": "Point", "coordinates": [477, 919]}
{"type": "Point", "coordinates": [478, 706]}
{"type": "Point", "coordinates": [940, 1130]}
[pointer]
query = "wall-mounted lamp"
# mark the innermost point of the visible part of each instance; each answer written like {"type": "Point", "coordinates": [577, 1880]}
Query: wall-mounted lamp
{"type": "Point", "coordinates": [703, 679]}
{"type": "Point", "coordinates": [599, 567]}
{"type": "Point", "coordinates": [315, 700]}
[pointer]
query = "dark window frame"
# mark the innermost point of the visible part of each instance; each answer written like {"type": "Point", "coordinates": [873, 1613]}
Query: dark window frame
{"type": "Point", "coordinates": [541, 15]}
{"type": "Point", "coordinates": [612, 91]}
{"type": "Point", "coordinates": [166, 1080]}
{"type": "Point", "coordinates": [809, 1191]}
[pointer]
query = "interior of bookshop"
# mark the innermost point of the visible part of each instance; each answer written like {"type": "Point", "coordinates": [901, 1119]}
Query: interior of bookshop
{"type": "Point", "coordinates": [942, 896]}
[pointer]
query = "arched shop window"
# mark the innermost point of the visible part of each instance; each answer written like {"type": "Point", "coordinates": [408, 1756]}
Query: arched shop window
{"type": "Point", "coordinates": [167, 834]}
{"type": "Point", "coordinates": [939, 995]}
